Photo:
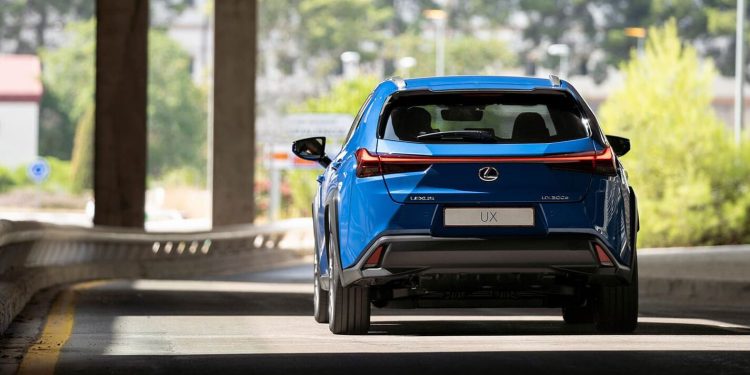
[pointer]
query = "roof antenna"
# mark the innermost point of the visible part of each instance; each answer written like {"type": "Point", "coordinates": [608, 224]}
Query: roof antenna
{"type": "Point", "coordinates": [555, 80]}
{"type": "Point", "coordinates": [400, 83]}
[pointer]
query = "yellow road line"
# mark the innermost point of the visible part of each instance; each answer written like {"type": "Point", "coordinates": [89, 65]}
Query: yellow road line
{"type": "Point", "coordinates": [42, 357]}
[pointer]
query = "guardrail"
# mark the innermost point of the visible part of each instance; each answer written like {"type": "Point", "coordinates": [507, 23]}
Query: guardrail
{"type": "Point", "coordinates": [34, 256]}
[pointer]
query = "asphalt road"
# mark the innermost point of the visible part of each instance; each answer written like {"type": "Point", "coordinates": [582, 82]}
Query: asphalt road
{"type": "Point", "coordinates": [261, 323]}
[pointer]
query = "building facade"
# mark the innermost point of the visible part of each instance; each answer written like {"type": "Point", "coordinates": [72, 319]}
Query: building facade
{"type": "Point", "coordinates": [20, 93]}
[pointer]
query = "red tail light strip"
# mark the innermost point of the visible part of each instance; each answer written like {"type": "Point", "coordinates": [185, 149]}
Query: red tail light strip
{"type": "Point", "coordinates": [367, 164]}
{"type": "Point", "coordinates": [602, 162]}
{"type": "Point", "coordinates": [563, 158]}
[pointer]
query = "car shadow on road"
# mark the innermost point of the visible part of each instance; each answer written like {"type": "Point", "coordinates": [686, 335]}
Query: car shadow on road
{"type": "Point", "coordinates": [434, 363]}
{"type": "Point", "coordinates": [530, 327]}
{"type": "Point", "coordinates": [428, 322]}
{"type": "Point", "coordinates": [187, 302]}
{"type": "Point", "coordinates": [98, 311]}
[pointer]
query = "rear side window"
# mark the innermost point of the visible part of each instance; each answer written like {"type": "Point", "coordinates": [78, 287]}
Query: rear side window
{"type": "Point", "coordinates": [484, 118]}
{"type": "Point", "coordinates": [357, 119]}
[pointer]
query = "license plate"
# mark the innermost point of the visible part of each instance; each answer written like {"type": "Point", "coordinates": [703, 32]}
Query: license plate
{"type": "Point", "coordinates": [489, 217]}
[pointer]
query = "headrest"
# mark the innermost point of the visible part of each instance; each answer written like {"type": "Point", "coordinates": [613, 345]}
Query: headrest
{"type": "Point", "coordinates": [410, 122]}
{"type": "Point", "coordinates": [530, 127]}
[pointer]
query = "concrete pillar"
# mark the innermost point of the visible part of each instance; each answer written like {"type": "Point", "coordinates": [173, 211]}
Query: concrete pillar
{"type": "Point", "coordinates": [234, 111]}
{"type": "Point", "coordinates": [120, 120]}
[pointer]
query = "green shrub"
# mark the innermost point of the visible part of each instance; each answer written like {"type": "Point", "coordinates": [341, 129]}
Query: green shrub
{"type": "Point", "coordinates": [302, 187]}
{"type": "Point", "coordinates": [60, 176]}
{"type": "Point", "coordinates": [692, 182]}
{"type": "Point", "coordinates": [7, 181]}
{"type": "Point", "coordinates": [184, 176]}
{"type": "Point", "coordinates": [20, 176]}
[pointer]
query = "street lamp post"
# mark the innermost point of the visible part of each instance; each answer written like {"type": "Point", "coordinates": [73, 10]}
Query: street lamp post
{"type": "Point", "coordinates": [350, 64]}
{"type": "Point", "coordinates": [640, 34]}
{"type": "Point", "coordinates": [438, 16]}
{"type": "Point", "coordinates": [563, 52]}
{"type": "Point", "coordinates": [739, 72]}
{"type": "Point", "coordinates": [405, 64]}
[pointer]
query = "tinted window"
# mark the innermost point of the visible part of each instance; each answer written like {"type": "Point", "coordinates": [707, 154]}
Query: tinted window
{"type": "Point", "coordinates": [357, 120]}
{"type": "Point", "coordinates": [484, 118]}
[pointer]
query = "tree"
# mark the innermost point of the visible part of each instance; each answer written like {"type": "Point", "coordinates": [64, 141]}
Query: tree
{"type": "Point", "coordinates": [82, 160]}
{"type": "Point", "coordinates": [176, 107]}
{"type": "Point", "coordinates": [693, 184]}
{"type": "Point", "coordinates": [319, 30]}
{"type": "Point", "coordinates": [68, 78]}
{"type": "Point", "coordinates": [335, 26]}
{"type": "Point", "coordinates": [25, 24]}
{"type": "Point", "coordinates": [19, 16]}
{"type": "Point", "coordinates": [316, 32]}
{"type": "Point", "coordinates": [707, 24]}
{"type": "Point", "coordinates": [345, 97]}
{"type": "Point", "coordinates": [465, 54]}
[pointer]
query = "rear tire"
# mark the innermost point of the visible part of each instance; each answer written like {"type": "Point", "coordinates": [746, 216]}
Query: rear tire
{"type": "Point", "coordinates": [578, 314]}
{"type": "Point", "coordinates": [348, 307]}
{"type": "Point", "coordinates": [616, 309]}
{"type": "Point", "coordinates": [320, 297]}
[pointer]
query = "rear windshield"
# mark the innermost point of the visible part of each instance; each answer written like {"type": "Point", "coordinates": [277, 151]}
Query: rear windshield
{"type": "Point", "coordinates": [484, 118]}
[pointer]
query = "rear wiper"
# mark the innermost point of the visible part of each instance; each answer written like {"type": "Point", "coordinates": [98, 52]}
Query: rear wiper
{"type": "Point", "coordinates": [461, 135]}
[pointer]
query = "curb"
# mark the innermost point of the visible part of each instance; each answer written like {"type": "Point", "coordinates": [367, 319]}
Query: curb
{"type": "Point", "coordinates": [702, 276]}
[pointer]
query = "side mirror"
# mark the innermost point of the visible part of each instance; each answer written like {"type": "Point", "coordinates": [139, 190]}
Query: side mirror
{"type": "Point", "coordinates": [312, 149]}
{"type": "Point", "coordinates": [620, 145]}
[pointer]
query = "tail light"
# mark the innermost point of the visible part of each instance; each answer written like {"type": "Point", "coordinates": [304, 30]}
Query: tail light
{"type": "Point", "coordinates": [602, 256]}
{"type": "Point", "coordinates": [368, 165]}
{"type": "Point", "coordinates": [602, 162]}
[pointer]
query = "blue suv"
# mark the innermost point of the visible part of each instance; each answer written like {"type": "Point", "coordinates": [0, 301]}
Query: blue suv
{"type": "Point", "coordinates": [474, 192]}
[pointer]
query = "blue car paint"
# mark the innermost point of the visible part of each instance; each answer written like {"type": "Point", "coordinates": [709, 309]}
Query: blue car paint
{"type": "Point", "coordinates": [471, 189]}
{"type": "Point", "coordinates": [366, 209]}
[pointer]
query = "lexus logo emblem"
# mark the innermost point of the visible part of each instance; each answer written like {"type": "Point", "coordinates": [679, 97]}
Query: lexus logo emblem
{"type": "Point", "coordinates": [488, 174]}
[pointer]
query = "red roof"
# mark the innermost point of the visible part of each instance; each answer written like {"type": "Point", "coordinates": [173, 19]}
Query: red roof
{"type": "Point", "coordinates": [20, 78]}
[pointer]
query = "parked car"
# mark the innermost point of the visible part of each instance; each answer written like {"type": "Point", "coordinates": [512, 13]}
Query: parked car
{"type": "Point", "coordinates": [474, 192]}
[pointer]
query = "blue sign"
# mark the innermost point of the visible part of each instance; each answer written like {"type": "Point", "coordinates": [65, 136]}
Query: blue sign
{"type": "Point", "coordinates": [38, 171]}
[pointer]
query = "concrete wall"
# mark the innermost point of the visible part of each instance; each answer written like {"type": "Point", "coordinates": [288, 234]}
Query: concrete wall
{"type": "Point", "coordinates": [19, 133]}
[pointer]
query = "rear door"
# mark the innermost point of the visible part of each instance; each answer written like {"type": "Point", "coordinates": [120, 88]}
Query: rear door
{"type": "Point", "coordinates": [486, 173]}
{"type": "Point", "coordinates": [533, 147]}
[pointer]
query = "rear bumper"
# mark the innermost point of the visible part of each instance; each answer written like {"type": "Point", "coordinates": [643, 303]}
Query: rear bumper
{"type": "Point", "coordinates": [406, 255]}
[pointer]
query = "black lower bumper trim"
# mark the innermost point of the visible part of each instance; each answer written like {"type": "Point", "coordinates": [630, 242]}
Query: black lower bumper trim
{"type": "Point", "coordinates": [406, 255]}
